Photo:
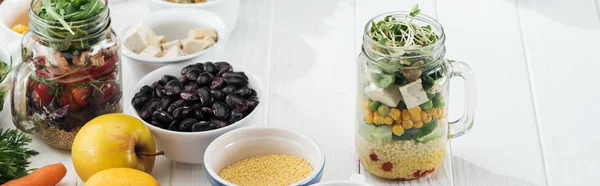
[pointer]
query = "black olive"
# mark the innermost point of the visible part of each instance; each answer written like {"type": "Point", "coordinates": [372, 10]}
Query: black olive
{"type": "Point", "coordinates": [236, 102]}
{"type": "Point", "coordinates": [229, 90]}
{"type": "Point", "coordinates": [252, 104]}
{"type": "Point", "coordinates": [207, 112]}
{"type": "Point", "coordinates": [144, 90]}
{"type": "Point", "coordinates": [192, 75]}
{"type": "Point", "coordinates": [205, 79]}
{"type": "Point", "coordinates": [159, 91]}
{"type": "Point", "coordinates": [215, 123]}
{"type": "Point", "coordinates": [165, 79]}
{"type": "Point", "coordinates": [186, 124]}
{"type": "Point", "coordinates": [183, 80]}
{"type": "Point", "coordinates": [235, 116]}
{"type": "Point", "coordinates": [199, 66]}
{"type": "Point", "coordinates": [149, 108]}
{"type": "Point", "coordinates": [153, 85]}
{"type": "Point", "coordinates": [196, 106]}
{"type": "Point", "coordinates": [183, 112]}
{"type": "Point", "coordinates": [236, 81]}
{"type": "Point", "coordinates": [235, 74]}
{"type": "Point", "coordinates": [205, 96]}
{"type": "Point", "coordinates": [197, 114]}
{"type": "Point", "coordinates": [174, 126]}
{"type": "Point", "coordinates": [189, 95]}
{"type": "Point", "coordinates": [218, 95]}
{"type": "Point", "coordinates": [201, 126]}
{"type": "Point", "coordinates": [223, 65]}
{"type": "Point", "coordinates": [140, 100]}
{"type": "Point", "coordinates": [188, 68]}
{"type": "Point", "coordinates": [175, 105]}
{"type": "Point", "coordinates": [210, 68]}
{"type": "Point", "coordinates": [220, 110]}
{"type": "Point", "coordinates": [165, 102]}
{"type": "Point", "coordinates": [217, 83]}
{"type": "Point", "coordinates": [162, 117]}
{"type": "Point", "coordinates": [192, 85]}
{"type": "Point", "coordinates": [173, 87]}
{"type": "Point", "coordinates": [244, 92]}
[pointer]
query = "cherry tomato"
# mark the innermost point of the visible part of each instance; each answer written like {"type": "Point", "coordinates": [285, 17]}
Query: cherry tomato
{"type": "Point", "coordinates": [40, 94]}
{"type": "Point", "coordinates": [107, 90]}
{"type": "Point", "coordinates": [80, 95]}
{"type": "Point", "coordinates": [67, 99]}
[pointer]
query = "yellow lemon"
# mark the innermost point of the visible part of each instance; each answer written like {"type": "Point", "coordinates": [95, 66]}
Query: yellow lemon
{"type": "Point", "coordinates": [121, 177]}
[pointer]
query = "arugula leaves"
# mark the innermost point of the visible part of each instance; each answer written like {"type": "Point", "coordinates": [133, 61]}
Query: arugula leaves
{"type": "Point", "coordinates": [66, 13]}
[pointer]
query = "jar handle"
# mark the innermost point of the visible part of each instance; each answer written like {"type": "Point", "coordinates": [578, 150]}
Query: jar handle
{"type": "Point", "coordinates": [465, 122]}
{"type": "Point", "coordinates": [18, 97]}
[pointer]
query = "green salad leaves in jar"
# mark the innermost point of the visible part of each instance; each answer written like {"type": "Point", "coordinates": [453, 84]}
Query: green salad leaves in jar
{"type": "Point", "coordinates": [403, 88]}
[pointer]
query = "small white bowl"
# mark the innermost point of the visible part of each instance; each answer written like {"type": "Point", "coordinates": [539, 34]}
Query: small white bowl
{"type": "Point", "coordinates": [189, 147]}
{"type": "Point", "coordinates": [175, 24]}
{"type": "Point", "coordinates": [254, 141]}
{"type": "Point", "coordinates": [12, 12]}
{"type": "Point", "coordinates": [227, 9]}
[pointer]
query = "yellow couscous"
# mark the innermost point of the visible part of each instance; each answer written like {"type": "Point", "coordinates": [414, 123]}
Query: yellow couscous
{"type": "Point", "coordinates": [19, 28]}
{"type": "Point", "coordinates": [272, 170]}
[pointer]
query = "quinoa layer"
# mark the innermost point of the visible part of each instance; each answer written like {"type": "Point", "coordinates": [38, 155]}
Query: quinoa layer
{"type": "Point", "coordinates": [403, 160]}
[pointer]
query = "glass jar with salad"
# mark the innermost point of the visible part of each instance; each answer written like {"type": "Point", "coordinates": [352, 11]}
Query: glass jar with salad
{"type": "Point", "coordinates": [70, 71]}
{"type": "Point", "coordinates": [402, 123]}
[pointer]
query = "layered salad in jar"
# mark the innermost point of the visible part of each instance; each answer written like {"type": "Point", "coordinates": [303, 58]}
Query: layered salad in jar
{"type": "Point", "coordinates": [402, 125]}
{"type": "Point", "coordinates": [74, 69]}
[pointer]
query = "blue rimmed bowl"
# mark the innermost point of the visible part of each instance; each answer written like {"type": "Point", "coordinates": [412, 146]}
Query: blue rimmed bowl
{"type": "Point", "coordinates": [247, 142]}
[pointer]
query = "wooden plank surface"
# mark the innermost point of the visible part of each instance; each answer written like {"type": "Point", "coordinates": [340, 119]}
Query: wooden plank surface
{"type": "Point", "coordinates": [560, 40]}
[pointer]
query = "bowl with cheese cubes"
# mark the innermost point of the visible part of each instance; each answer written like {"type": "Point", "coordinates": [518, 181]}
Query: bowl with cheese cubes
{"type": "Point", "coordinates": [173, 36]}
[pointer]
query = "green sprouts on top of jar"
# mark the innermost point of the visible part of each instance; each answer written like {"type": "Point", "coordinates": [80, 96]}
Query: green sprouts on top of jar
{"type": "Point", "coordinates": [394, 32]}
{"type": "Point", "coordinates": [65, 11]}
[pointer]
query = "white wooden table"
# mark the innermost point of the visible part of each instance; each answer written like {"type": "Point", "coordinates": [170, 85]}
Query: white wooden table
{"type": "Point", "coordinates": [535, 61]}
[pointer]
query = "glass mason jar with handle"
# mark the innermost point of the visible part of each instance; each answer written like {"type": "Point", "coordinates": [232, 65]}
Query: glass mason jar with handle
{"type": "Point", "coordinates": [69, 75]}
{"type": "Point", "coordinates": [402, 123]}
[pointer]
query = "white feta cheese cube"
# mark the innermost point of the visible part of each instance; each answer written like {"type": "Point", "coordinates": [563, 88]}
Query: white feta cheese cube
{"type": "Point", "coordinates": [202, 33]}
{"type": "Point", "coordinates": [161, 39]}
{"type": "Point", "coordinates": [135, 41]}
{"type": "Point", "coordinates": [191, 46]}
{"type": "Point", "coordinates": [390, 96]}
{"type": "Point", "coordinates": [151, 51]}
{"type": "Point", "coordinates": [438, 86]}
{"type": "Point", "coordinates": [413, 94]}
{"type": "Point", "coordinates": [168, 45]}
{"type": "Point", "coordinates": [173, 52]}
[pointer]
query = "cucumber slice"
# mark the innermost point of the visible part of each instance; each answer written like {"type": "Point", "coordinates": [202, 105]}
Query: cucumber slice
{"type": "Point", "coordinates": [409, 134]}
{"type": "Point", "coordinates": [364, 130]}
{"type": "Point", "coordinates": [383, 80]}
{"type": "Point", "coordinates": [436, 133]}
{"type": "Point", "coordinates": [381, 135]}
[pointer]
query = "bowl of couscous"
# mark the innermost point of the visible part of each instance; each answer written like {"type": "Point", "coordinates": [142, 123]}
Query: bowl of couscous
{"type": "Point", "coordinates": [14, 20]}
{"type": "Point", "coordinates": [264, 156]}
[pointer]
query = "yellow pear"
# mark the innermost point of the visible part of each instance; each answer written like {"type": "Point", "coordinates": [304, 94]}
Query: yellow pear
{"type": "Point", "coordinates": [112, 141]}
{"type": "Point", "coordinates": [121, 177]}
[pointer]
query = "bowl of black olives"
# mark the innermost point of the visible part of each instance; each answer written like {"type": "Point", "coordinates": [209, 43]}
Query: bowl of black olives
{"type": "Point", "coordinates": [187, 107]}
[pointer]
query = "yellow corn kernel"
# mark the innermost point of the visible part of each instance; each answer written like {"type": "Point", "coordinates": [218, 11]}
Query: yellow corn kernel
{"type": "Point", "coordinates": [366, 104]}
{"type": "Point", "coordinates": [405, 115]}
{"type": "Point", "coordinates": [415, 114]}
{"type": "Point", "coordinates": [427, 119]}
{"type": "Point", "coordinates": [388, 120]}
{"type": "Point", "coordinates": [395, 113]}
{"type": "Point", "coordinates": [418, 124]}
{"type": "Point", "coordinates": [439, 112]}
{"type": "Point", "coordinates": [433, 112]}
{"type": "Point", "coordinates": [398, 130]}
{"type": "Point", "coordinates": [423, 115]}
{"type": "Point", "coordinates": [376, 114]}
{"type": "Point", "coordinates": [21, 29]}
{"type": "Point", "coordinates": [369, 116]}
{"type": "Point", "coordinates": [407, 124]}
{"type": "Point", "coordinates": [378, 120]}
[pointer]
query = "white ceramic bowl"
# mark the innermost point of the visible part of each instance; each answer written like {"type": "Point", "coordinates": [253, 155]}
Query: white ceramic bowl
{"type": "Point", "coordinates": [355, 180]}
{"type": "Point", "coordinates": [12, 12]}
{"type": "Point", "coordinates": [189, 147]}
{"type": "Point", "coordinates": [175, 24]}
{"type": "Point", "coordinates": [227, 9]}
{"type": "Point", "coordinates": [254, 141]}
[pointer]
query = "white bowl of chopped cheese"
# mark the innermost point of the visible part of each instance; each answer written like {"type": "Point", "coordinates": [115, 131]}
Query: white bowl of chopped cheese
{"type": "Point", "coordinates": [227, 9]}
{"type": "Point", "coordinates": [173, 36]}
{"type": "Point", "coordinates": [14, 20]}
{"type": "Point", "coordinates": [264, 155]}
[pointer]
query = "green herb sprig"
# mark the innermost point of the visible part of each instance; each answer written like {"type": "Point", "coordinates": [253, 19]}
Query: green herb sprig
{"type": "Point", "coordinates": [14, 155]}
{"type": "Point", "coordinates": [4, 70]}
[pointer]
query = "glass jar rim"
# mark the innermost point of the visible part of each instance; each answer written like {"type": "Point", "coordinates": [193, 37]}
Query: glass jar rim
{"type": "Point", "coordinates": [421, 17]}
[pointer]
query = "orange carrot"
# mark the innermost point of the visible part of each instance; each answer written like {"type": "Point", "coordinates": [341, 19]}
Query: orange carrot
{"type": "Point", "coordinates": [48, 175]}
